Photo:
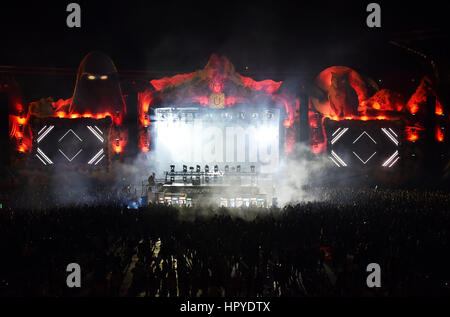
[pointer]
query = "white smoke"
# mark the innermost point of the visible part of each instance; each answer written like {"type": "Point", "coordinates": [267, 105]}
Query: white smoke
{"type": "Point", "coordinates": [298, 171]}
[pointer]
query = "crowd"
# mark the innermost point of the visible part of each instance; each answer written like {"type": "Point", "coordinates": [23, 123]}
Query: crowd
{"type": "Point", "coordinates": [317, 248]}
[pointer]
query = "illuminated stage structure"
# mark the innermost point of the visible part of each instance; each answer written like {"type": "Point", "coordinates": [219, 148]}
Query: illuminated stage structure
{"type": "Point", "coordinates": [218, 118]}
{"type": "Point", "coordinates": [82, 132]}
{"type": "Point", "coordinates": [235, 136]}
{"type": "Point", "coordinates": [377, 134]}
{"type": "Point", "coordinates": [359, 144]}
{"type": "Point", "coordinates": [73, 143]}
{"type": "Point", "coordinates": [19, 128]}
{"type": "Point", "coordinates": [218, 87]}
{"type": "Point", "coordinates": [230, 187]}
{"type": "Point", "coordinates": [241, 146]}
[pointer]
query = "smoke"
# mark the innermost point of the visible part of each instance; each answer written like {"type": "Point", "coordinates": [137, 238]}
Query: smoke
{"type": "Point", "coordinates": [298, 173]}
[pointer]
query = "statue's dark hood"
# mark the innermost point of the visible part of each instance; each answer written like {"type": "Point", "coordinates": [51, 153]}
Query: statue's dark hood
{"type": "Point", "coordinates": [97, 88]}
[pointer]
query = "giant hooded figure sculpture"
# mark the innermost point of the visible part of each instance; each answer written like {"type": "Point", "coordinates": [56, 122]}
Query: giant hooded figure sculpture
{"type": "Point", "coordinates": [97, 88]}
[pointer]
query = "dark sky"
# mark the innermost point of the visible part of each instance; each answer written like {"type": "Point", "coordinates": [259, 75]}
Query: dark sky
{"type": "Point", "coordinates": [279, 36]}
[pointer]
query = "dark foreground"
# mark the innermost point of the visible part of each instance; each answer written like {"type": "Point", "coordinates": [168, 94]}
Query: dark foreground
{"type": "Point", "coordinates": [162, 251]}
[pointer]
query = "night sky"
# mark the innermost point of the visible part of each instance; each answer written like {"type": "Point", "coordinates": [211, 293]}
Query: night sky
{"type": "Point", "coordinates": [273, 39]}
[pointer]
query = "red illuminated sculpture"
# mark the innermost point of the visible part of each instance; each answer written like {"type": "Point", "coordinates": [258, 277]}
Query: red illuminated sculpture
{"type": "Point", "coordinates": [217, 86]}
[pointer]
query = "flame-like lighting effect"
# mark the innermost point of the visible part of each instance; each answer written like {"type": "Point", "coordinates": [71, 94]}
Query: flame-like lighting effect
{"type": "Point", "coordinates": [439, 110]}
{"type": "Point", "coordinates": [412, 132]}
{"type": "Point", "coordinates": [118, 140]}
{"type": "Point", "coordinates": [19, 129]}
{"type": "Point", "coordinates": [439, 134]}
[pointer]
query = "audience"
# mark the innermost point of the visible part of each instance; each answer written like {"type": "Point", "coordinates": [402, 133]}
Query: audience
{"type": "Point", "coordinates": [319, 248]}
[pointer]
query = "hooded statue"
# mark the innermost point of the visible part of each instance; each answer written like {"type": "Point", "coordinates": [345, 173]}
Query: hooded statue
{"type": "Point", "coordinates": [97, 89]}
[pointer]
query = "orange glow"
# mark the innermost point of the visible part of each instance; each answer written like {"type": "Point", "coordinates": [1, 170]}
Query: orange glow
{"type": "Point", "coordinates": [413, 108]}
{"type": "Point", "coordinates": [439, 111]}
{"type": "Point", "coordinates": [419, 98]}
{"type": "Point", "coordinates": [144, 141]}
{"type": "Point", "coordinates": [362, 118]}
{"type": "Point", "coordinates": [412, 132]}
{"type": "Point", "coordinates": [119, 146]}
{"type": "Point", "coordinates": [383, 100]}
{"type": "Point", "coordinates": [162, 83]}
{"type": "Point", "coordinates": [21, 120]}
{"type": "Point", "coordinates": [439, 134]}
{"type": "Point", "coordinates": [118, 139]}
{"type": "Point", "coordinates": [62, 114]}
{"type": "Point", "coordinates": [20, 131]}
{"type": "Point", "coordinates": [318, 139]}
{"type": "Point", "coordinates": [287, 123]}
{"type": "Point", "coordinates": [268, 85]}
{"type": "Point", "coordinates": [144, 100]}
{"type": "Point", "coordinates": [60, 111]}
{"type": "Point", "coordinates": [413, 136]}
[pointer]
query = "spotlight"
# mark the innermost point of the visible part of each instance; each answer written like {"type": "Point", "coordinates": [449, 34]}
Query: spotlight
{"type": "Point", "coordinates": [184, 168]}
{"type": "Point", "coordinates": [198, 168]}
{"type": "Point", "coordinates": [91, 77]}
{"type": "Point", "coordinates": [216, 168]}
{"type": "Point", "coordinates": [206, 169]}
{"type": "Point", "coordinates": [172, 168]}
